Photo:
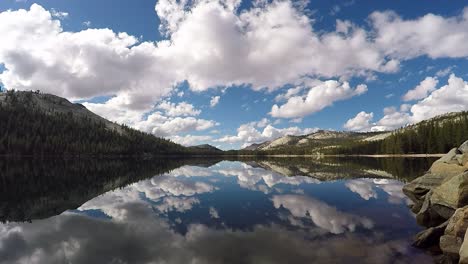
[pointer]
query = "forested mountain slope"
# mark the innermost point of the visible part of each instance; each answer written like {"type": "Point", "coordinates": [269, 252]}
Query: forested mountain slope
{"type": "Point", "coordinates": [47, 125]}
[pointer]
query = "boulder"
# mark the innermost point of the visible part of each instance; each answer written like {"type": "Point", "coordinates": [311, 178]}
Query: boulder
{"type": "Point", "coordinates": [449, 157]}
{"type": "Point", "coordinates": [454, 234]}
{"type": "Point", "coordinates": [450, 246]}
{"type": "Point", "coordinates": [427, 216]}
{"type": "Point", "coordinates": [418, 188]}
{"type": "Point", "coordinates": [444, 169]}
{"type": "Point", "coordinates": [464, 250]}
{"type": "Point", "coordinates": [458, 223]}
{"type": "Point", "coordinates": [463, 160]}
{"type": "Point", "coordinates": [453, 192]}
{"type": "Point", "coordinates": [430, 237]}
{"type": "Point", "coordinates": [464, 147]}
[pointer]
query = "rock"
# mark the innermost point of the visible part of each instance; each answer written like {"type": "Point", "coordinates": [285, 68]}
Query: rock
{"type": "Point", "coordinates": [430, 237]}
{"type": "Point", "coordinates": [464, 147]}
{"type": "Point", "coordinates": [463, 160]}
{"type": "Point", "coordinates": [443, 211]}
{"type": "Point", "coordinates": [445, 169]}
{"type": "Point", "coordinates": [453, 192]}
{"type": "Point", "coordinates": [454, 234]}
{"type": "Point", "coordinates": [418, 188]}
{"type": "Point", "coordinates": [464, 250]}
{"type": "Point", "coordinates": [458, 223]}
{"type": "Point", "coordinates": [450, 246]}
{"type": "Point", "coordinates": [428, 215]}
{"type": "Point", "coordinates": [450, 156]}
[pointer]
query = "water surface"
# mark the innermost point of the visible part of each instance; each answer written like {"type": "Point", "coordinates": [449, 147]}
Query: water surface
{"type": "Point", "coordinates": [296, 210]}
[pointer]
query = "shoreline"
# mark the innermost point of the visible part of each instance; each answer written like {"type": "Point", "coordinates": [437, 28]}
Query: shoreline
{"type": "Point", "coordinates": [84, 156]}
{"type": "Point", "coordinates": [354, 156]}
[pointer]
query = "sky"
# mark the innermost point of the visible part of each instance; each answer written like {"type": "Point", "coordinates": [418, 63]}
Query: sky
{"type": "Point", "coordinates": [231, 73]}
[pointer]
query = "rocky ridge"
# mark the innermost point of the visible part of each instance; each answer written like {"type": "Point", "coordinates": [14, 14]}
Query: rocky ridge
{"type": "Point", "coordinates": [440, 202]}
{"type": "Point", "coordinates": [324, 137]}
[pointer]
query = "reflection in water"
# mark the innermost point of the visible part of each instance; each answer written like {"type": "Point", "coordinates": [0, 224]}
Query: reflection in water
{"type": "Point", "coordinates": [267, 211]}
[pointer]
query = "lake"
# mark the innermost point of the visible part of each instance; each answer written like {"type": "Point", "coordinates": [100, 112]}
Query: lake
{"type": "Point", "coordinates": [275, 210]}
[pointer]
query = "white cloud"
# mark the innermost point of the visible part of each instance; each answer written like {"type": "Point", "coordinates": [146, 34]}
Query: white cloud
{"type": "Point", "coordinates": [180, 109]}
{"type": "Point", "coordinates": [317, 98]}
{"type": "Point", "coordinates": [361, 122]}
{"type": "Point", "coordinates": [179, 204]}
{"type": "Point", "coordinates": [249, 133]}
{"type": "Point", "coordinates": [155, 123]}
{"type": "Point", "coordinates": [363, 187]}
{"type": "Point", "coordinates": [210, 44]}
{"type": "Point", "coordinates": [191, 140]}
{"type": "Point", "coordinates": [58, 14]}
{"type": "Point", "coordinates": [431, 35]}
{"type": "Point", "coordinates": [213, 213]}
{"type": "Point", "coordinates": [452, 97]}
{"type": "Point", "coordinates": [87, 23]}
{"type": "Point", "coordinates": [422, 90]}
{"type": "Point", "coordinates": [444, 72]}
{"type": "Point", "coordinates": [323, 215]}
{"type": "Point", "coordinates": [214, 101]}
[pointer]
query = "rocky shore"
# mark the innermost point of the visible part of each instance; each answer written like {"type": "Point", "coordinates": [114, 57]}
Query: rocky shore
{"type": "Point", "coordinates": [440, 202]}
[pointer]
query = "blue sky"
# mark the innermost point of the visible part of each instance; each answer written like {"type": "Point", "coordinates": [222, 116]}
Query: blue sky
{"type": "Point", "coordinates": [231, 73]}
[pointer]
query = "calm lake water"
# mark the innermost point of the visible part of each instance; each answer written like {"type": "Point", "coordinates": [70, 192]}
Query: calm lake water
{"type": "Point", "coordinates": [296, 210]}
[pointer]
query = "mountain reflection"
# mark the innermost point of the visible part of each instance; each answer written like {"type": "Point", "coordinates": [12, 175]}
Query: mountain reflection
{"type": "Point", "coordinates": [210, 211]}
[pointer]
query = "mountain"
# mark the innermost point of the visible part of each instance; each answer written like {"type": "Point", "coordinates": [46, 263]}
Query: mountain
{"type": "Point", "coordinates": [38, 124]}
{"type": "Point", "coordinates": [52, 104]}
{"type": "Point", "coordinates": [320, 138]}
{"type": "Point", "coordinates": [205, 147]}
{"type": "Point", "coordinates": [435, 135]}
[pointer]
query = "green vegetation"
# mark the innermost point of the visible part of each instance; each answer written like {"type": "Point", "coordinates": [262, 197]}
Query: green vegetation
{"type": "Point", "coordinates": [437, 135]}
{"type": "Point", "coordinates": [28, 130]}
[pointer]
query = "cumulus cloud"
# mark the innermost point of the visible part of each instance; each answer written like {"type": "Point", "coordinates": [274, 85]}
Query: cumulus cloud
{"type": "Point", "coordinates": [147, 238]}
{"type": "Point", "coordinates": [323, 215]}
{"type": "Point", "coordinates": [191, 140]}
{"type": "Point", "coordinates": [156, 123]}
{"type": "Point", "coordinates": [317, 98]}
{"type": "Point", "coordinates": [180, 109]}
{"type": "Point", "coordinates": [361, 122]}
{"type": "Point", "coordinates": [444, 72]}
{"type": "Point", "coordinates": [422, 90]}
{"type": "Point", "coordinates": [249, 133]}
{"type": "Point", "coordinates": [248, 177]}
{"type": "Point", "coordinates": [452, 97]}
{"type": "Point", "coordinates": [363, 187]}
{"type": "Point", "coordinates": [179, 204]}
{"type": "Point", "coordinates": [58, 14]}
{"type": "Point", "coordinates": [211, 44]}
{"type": "Point", "coordinates": [214, 101]}
{"type": "Point", "coordinates": [431, 35]}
